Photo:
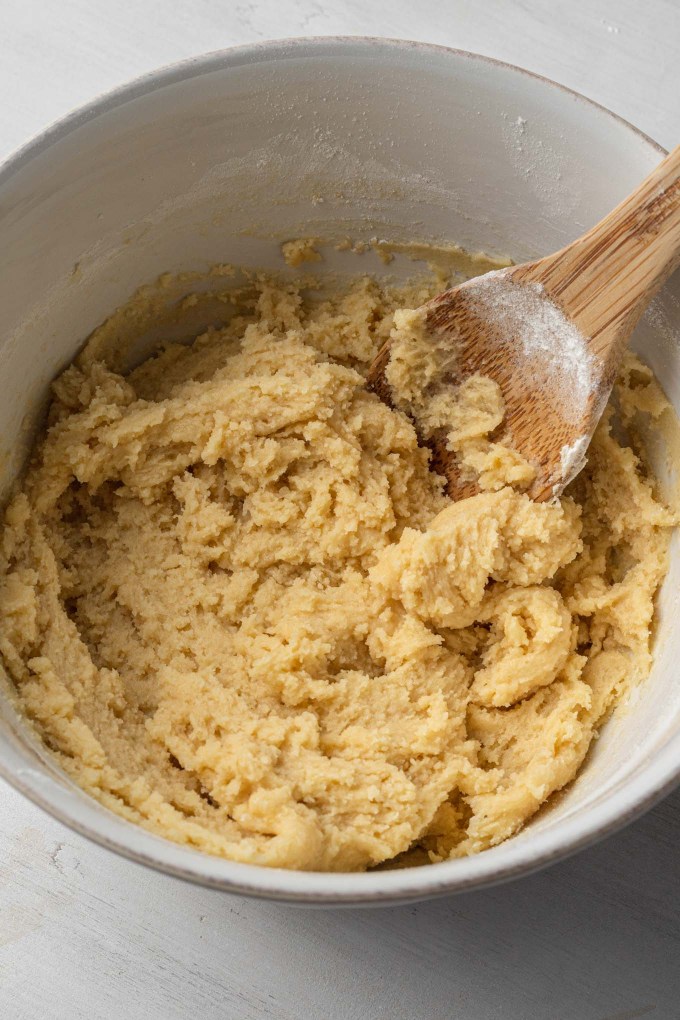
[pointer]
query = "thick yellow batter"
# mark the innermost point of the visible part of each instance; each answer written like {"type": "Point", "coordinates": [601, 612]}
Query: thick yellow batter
{"type": "Point", "coordinates": [237, 607]}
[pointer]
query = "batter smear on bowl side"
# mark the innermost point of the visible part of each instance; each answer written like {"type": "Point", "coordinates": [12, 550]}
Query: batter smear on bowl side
{"type": "Point", "coordinates": [238, 609]}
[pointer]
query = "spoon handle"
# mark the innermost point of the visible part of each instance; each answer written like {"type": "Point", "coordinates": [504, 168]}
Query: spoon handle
{"type": "Point", "coordinates": [604, 280]}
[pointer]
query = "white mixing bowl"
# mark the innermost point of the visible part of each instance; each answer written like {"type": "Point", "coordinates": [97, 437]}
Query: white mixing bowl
{"type": "Point", "coordinates": [217, 160]}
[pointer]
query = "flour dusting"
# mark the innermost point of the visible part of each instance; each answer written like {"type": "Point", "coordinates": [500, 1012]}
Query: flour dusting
{"type": "Point", "coordinates": [572, 460]}
{"type": "Point", "coordinates": [540, 333]}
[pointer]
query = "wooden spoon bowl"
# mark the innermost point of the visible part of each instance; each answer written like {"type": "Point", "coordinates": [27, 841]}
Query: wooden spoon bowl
{"type": "Point", "coordinates": [552, 332]}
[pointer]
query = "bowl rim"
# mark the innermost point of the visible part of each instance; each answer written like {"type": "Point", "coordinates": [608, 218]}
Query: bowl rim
{"type": "Point", "coordinates": [86, 816]}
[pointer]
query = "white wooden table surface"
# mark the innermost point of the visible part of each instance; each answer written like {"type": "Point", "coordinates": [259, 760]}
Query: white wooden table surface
{"type": "Point", "coordinates": [84, 934]}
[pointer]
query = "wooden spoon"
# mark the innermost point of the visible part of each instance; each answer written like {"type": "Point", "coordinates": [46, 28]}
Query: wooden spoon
{"type": "Point", "coordinates": [552, 333]}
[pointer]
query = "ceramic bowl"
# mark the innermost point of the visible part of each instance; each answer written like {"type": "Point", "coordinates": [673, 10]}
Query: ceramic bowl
{"type": "Point", "coordinates": [220, 158]}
